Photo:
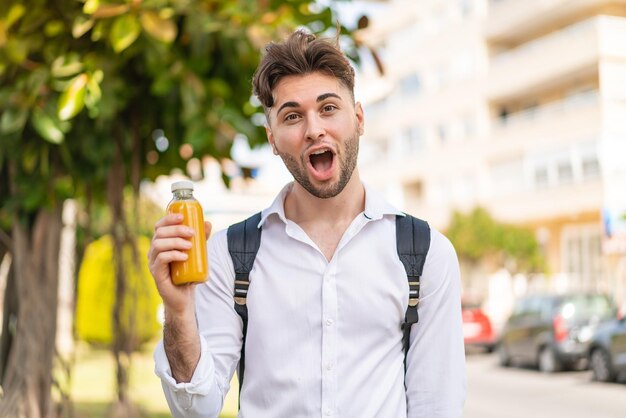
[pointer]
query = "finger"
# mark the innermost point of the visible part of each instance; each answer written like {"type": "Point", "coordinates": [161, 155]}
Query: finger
{"type": "Point", "coordinates": [172, 231]}
{"type": "Point", "coordinates": [167, 257]}
{"type": "Point", "coordinates": [208, 227]}
{"type": "Point", "coordinates": [169, 244]}
{"type": "Point", "coordinates": [169, 219]}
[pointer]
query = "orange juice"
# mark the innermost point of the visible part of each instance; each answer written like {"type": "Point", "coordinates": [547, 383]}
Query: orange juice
{"type": "Point", "coordinates": [195, 268]}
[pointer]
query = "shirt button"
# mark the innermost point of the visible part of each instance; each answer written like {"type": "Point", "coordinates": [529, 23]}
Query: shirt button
{"type": "Point", "coordinates": [329, 322]}
{"type": "Point", "coordinates": [328, 412]}
{"type": "Point", "coordinates": [329, 366]}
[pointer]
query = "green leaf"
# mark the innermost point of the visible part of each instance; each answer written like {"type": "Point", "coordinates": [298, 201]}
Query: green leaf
{"type": "Point", "coordinates": [54, 28]}
{"type": "Point", "coordinates": [13, 119]}
{"type": "Point", "coordinates": [124, 32]}
{"type": "Point", "coordinates": [72, 99]}
{"type": "Point", "coordinates": [81, 26]}
{"type": "Point", "coordinates": [64, 66]}
{"type": "Point", "coordinates": [98, 32]}
{"type": "Point", "coordinates": [161, 29]}
{"type": "Point", "coordinates": [110, 10]}
{"type": "Point", "coordinates": [46, 127]}
{"type": "Point", "coordinates": [15, 13]}
{"type": "Point", "coordinates": [91, 6]}
{"type": "Point", "coordinates": [94, 93]}
{"type": "Point", "coordinates": [98, 75]}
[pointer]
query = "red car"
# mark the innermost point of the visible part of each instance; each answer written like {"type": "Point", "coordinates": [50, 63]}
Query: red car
{"type": "Point", "coordinates": [477, 329]}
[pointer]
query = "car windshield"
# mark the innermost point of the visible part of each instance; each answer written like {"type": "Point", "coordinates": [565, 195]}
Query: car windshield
{"type": "Point", "coordinates": [587, 307]}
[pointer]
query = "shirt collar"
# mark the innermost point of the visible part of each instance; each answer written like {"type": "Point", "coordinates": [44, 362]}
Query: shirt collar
{"type": "Point", "coordinates": [278, 206]}
{"type": "Point", "coordinates": [375, 205]}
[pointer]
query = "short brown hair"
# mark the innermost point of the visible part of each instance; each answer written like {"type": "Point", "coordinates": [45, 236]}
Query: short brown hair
{"type": "Point", "coordinates": [302, 53]}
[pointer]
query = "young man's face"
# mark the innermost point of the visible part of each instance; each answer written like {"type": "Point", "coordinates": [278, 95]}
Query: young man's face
{"type": "Point", "coordinates": [315, 126]}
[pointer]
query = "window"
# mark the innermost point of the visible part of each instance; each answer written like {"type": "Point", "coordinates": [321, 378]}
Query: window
{"type": "Point", "coordinates": [442, 132]}
{"type": "Point", "coordinates": [466, 7]}
{"type": "Point", "coordinates": [565, 166]}
{"type": "Point", "coordinates": [416, 138]}
{"type": "Point", "coordinates": [565, 172]}
{"type": "Point", "coordinates": [579, 307]}
{"type": "Point", "coordinates": [541, 178]}
{"type": "Point", "coordinates": [590, 167]}
{"type": "Point", "coordinates": [582, 255]}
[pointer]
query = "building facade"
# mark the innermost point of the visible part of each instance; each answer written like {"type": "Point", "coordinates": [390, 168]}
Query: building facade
{"type": "Point", "coordinates": [515, 106]}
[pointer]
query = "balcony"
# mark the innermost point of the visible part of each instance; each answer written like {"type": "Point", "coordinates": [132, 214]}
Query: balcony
{"type": "Point", "coordinates": [531, 206]}
{"type": "Point", "coordinates": [556, 60]}
{"type": "Point", "coordinates": [515, 21]}
{"type": "Point", "coordinates": [577, 116]}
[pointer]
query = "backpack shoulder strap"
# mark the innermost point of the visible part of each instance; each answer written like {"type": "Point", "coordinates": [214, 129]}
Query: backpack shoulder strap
{"type": "Point", "coordinates": [413, 241]}
{"type": "Point", "coordinates": [244, 240]}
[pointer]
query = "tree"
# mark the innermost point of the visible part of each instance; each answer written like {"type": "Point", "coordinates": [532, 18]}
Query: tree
{"type": "Point", "coordinates": [477, 235]}
{"type": "Point", "coordinates": [95, 96]}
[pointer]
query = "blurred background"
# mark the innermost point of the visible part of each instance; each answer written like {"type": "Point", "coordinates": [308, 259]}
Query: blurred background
{"type": "Point", "coordinates": [500, 122]}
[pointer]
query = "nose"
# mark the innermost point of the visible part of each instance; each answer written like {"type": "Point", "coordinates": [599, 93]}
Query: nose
{"type": "Point", "coordinates": [315, 129]}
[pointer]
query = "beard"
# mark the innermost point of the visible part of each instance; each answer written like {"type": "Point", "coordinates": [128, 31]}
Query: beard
{"type": "Point", "coordinates": [346, 162]}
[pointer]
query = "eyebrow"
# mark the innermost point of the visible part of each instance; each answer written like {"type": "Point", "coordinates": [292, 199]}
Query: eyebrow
{"type": "Point", "coordinates": [320, 98]}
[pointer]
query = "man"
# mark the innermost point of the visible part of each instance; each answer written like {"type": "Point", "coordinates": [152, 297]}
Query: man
{"type": "Point", "coordinates": [327, 291]}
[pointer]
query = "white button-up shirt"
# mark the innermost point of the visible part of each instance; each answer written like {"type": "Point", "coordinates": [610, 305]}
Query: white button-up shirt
{"type": "Point", "coordinates": [324, 337]}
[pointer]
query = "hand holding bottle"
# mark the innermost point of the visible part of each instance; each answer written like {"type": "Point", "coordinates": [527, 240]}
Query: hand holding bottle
{"type": "Point", "coordinates": [178, 250]}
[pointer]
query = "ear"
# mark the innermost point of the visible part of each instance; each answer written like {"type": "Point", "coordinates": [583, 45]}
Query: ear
{"type": "Point", "coordinates": [270, 138]}
{"type": "Point", "coordinates": [360, 117]}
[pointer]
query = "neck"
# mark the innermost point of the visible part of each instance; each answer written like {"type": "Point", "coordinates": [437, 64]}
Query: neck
{"type": "Point", "coordinates": [303, 207]}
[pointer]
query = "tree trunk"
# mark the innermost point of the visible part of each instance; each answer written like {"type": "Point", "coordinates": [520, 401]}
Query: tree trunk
{"type": "Point", "coordinates": [28, 377]}
{"type": "Point", "coordinates": [9, 311]}
{"type": "Point", "coordinates": [122, 315]}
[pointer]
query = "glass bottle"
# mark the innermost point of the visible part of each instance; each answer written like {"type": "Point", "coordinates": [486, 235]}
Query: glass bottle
{"type": "Point", "coordinates": [195, 268]}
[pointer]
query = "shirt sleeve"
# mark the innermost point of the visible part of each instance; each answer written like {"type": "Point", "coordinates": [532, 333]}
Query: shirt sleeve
{"type": "Point", "coordinates": [220, 338]}
{"type": "Point", "coordinates": [435, 377]}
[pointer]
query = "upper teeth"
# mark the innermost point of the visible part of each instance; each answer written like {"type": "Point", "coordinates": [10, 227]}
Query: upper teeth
{"type": "Point", "coordinates": [320, 152]}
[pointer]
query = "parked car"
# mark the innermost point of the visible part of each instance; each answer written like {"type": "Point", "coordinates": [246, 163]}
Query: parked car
{"type": "Point", "coordinates": [607, 351]}
{"type": "Point", "coordinates": [477, 329]}
{"type": "Point", "coordinates": [553, 332]}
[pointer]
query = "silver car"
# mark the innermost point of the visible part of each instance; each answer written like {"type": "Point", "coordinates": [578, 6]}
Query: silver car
{"type": "Point", "coordinates": [553, 332]}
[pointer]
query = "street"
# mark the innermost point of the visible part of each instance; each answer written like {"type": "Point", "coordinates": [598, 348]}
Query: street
{"type": "Point", "coordinates": [499, 392]}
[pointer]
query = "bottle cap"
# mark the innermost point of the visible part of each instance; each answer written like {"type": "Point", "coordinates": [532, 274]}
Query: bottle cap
{"type": "Point", "coordinates": [182, 185]}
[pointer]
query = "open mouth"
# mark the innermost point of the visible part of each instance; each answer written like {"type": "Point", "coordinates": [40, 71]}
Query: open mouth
{"type": "Point", "coordinates": [321, 163]}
